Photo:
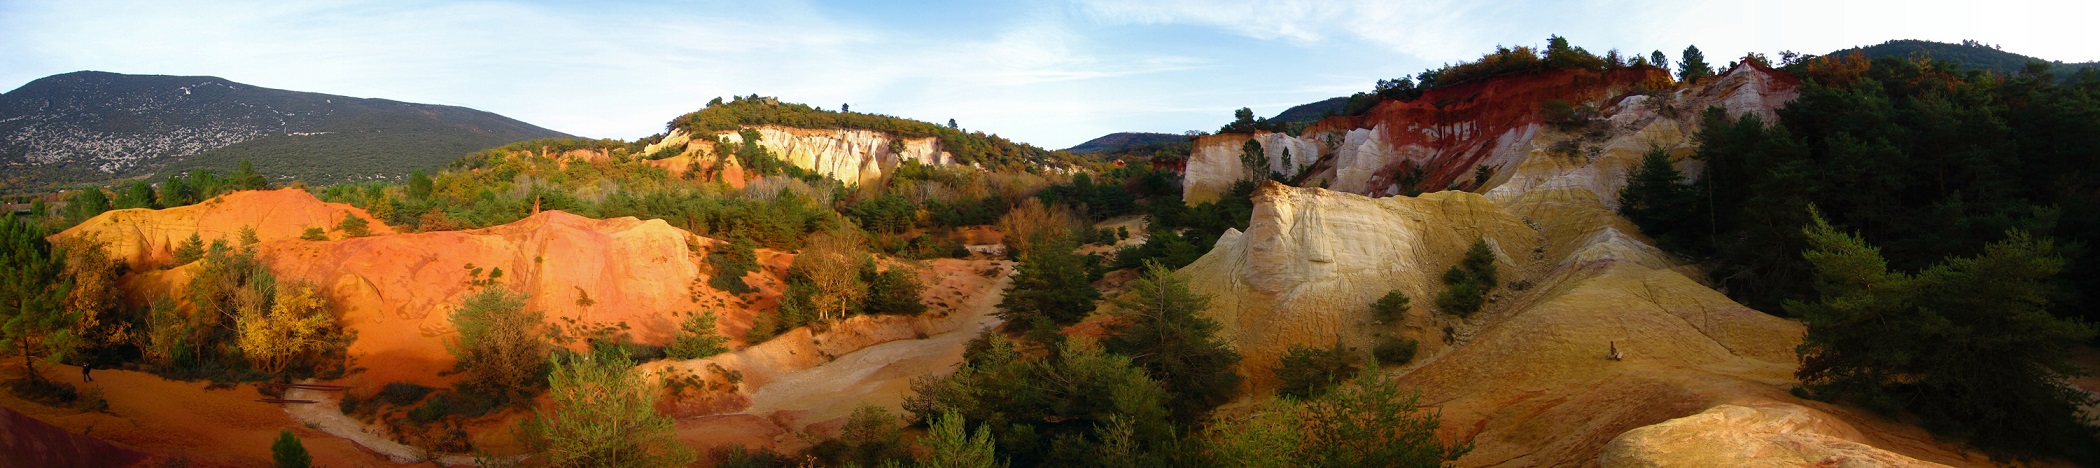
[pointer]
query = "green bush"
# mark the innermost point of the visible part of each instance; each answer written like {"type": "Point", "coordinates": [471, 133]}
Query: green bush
{"type": "Point", "coordinates": [1391, 308]}
{"type": "Point", "coordinates": [1468, 283]}
{"type": "Point", "coordinates": [1394, 350]}
{"type": "Point", "coordinates": [1307, 372]}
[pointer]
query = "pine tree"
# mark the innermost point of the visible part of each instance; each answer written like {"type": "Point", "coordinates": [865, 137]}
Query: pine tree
{"type": "Point", "coordinates": [1967, 344]}
{"type": "Point", "coordinates": [1050, 283]}
{"type": "Point", "coordinates": [288, 452]}
{"type": "Point", "coordinates": [948, 445]}
{"type": "Point", "coordinates": [138, 195]}
{"type": "Point", "coordinates": [33, 318]}
{"type": "Point", "coordinates": [603, 414]}
{"type": "Point", "coordinates": [697, 337]}
{"type": "Point", "coordinates": [1693, 66]}
{"type": "Point", "coordinates": [1657, 199]}
{"type": "Point", "coordinates": [1161, 327]}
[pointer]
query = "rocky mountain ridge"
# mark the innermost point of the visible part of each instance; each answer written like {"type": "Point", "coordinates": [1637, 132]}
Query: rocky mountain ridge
{"type": "Point", "coordinates": [97, 126]}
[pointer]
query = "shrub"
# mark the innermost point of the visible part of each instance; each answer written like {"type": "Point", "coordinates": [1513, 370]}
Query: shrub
{"type": "Point", "coordinates": [354, 226]}
{"type": "Point", "coordinates": [892, 292]}
{"type": "Point", "coordinates": [1366, 421]}
{"type": "Point", "coordinates": [314, 234]}
{"type": "Point", "coordinates": [1394, 350]}
{"type": "Point", "coordinates": [1307, 372]}
{"type": "Point", "coordinates": [1391, 308]}
{"type": "Point", "coordinates": [402, 393]}
{"type": "Point", "coordinates": [500, 346]}
{"type": "Point", "coordinates": [869, 438]}
{"type": "Point", "coordinates": [1468, 283]}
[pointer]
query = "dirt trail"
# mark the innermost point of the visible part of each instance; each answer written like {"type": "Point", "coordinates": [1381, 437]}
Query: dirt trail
{"type": "Point", "coordinates": [879, 375]}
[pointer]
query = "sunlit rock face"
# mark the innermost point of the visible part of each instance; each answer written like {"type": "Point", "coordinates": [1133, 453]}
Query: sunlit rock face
{"type": "Point", "coordinates": [851, 156]}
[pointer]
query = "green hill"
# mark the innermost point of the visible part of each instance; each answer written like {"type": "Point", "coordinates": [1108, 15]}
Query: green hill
{"type": "Point", "coordinates": [1969, 54]}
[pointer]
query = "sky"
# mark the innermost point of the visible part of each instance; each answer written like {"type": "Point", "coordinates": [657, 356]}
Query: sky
{"type": "Point", "coordinates": [1053, 73]}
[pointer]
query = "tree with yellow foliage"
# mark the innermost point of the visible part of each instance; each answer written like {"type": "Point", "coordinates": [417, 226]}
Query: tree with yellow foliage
{"type": "Point", "coordinates": [297, 324]}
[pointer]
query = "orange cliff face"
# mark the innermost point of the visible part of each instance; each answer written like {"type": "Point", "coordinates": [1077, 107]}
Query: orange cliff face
{"type": "Point", "coordinates": [147, 238]}
{"type": "Point", "coordinates": [396, 291]}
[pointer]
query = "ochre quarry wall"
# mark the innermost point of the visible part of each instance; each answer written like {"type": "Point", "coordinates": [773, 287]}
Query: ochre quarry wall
{"type": "Point", "coordinates": [147, 238]}
{"type": "Point", "coordinates": [1449, 132]}
{"type": "Point", "coordinates": [398, 290]}
{"type": "Point", "coordinates": [851, 156]}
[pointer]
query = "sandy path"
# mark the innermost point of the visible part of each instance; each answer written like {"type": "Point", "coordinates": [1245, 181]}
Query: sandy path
{"type": "Point", "coordinates": [880, 375]}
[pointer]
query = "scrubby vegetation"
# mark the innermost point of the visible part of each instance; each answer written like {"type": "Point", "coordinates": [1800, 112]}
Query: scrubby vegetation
{"type": "Point", "coordinates": [1307, 372]}
{"type": "Point", "coordinates": [1466, 285]}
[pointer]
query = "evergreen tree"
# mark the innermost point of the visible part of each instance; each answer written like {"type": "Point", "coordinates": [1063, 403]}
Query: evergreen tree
{"type": "Point", "coordinates": [33, 318]}
{"type": "Point", "coordinates": [1659, 60]}
{"type": "Point", "coordinates": [948, 445]}
{"type": "Point", "coordinates": [603, 414]}
{"type": "Point", "coordinates": [1050, 283]}
{"type": "Point", "coordinates": [1967, 344]}
{"type": "Point", "coordinates": [85, 204]}
{"type": "Point", "coordinates": [419, 186]}
{"type": "Point", "coordinates": [245, 178]}
{"type": "Point", "coordinates": [1255, 160]}
{"type": "Point", "coordinates": [288, 452]}
{"type": "Point", "coordinates": [176, 192]}
{"type": "Point", "coordinates": [137, 195]}
{"type": "Point", "coordinates": [190, 250]}
{"type": "Point", "coordinates": [1657, 199]}
{"type": "Point", "coordinates": [1161, 327]}
{"type": "Point", "coordinates": [1693, 66]}
{"type": "Point", "coordinates": [697, 337]}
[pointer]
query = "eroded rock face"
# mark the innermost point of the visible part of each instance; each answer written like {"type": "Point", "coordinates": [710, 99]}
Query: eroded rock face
{"type": "Point", "coordinates": [1441, 139]}
{"type": "Point", "coordinates": [1312, 261]}
{"type": "Point", "coordinates": [1527, 378]}
{"type": "Point", "coordinates": [851, 156]}
{"type": "Point", "coordinates": [147, 238]}
{"type": "Point", "coordinates": [1771, 435]}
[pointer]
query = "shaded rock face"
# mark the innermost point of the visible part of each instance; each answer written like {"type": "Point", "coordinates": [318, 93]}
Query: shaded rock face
{"type": "Point", "coordinates": [851, 156]}
{"type": "Point", "coordinates": [1441, 138]}
{"type": "Point", "coordinates": [1772, 435]}
{"type": "Point", "coordinates": [28, 443]}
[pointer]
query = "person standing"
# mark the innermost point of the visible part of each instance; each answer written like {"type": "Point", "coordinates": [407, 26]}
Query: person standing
{"type": "Point", "coordinates": [86, 367]}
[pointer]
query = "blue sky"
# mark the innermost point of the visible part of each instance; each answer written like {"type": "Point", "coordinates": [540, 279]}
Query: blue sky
{"type": "Point", "coordinates": [1052, 72]}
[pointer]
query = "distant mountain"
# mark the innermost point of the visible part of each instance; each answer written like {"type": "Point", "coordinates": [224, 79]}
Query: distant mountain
{"type": "Point", "coordinates": [1115, 142]}
{"type": "Point", "coordinates": [1973, 55]}
{"type": "Point", "coordinates": [1311, 112]}
{"type": "Point", "coordinates": [96, 127]}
